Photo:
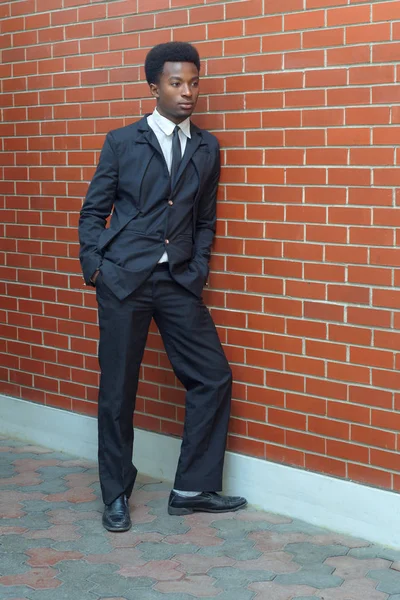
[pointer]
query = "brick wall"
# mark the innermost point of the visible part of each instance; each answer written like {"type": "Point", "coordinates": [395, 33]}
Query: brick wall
{"type": "Point", "coordinates": [306, 105]}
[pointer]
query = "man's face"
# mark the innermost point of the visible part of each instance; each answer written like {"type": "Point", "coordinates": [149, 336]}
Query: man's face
{"type": "Point", "coordinates": [177, 90]}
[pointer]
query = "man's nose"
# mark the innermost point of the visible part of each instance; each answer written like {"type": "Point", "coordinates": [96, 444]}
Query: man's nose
{"type": "Point", "coordinates": [187, 90]}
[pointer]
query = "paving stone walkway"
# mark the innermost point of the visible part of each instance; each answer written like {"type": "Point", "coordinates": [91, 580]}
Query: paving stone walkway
{"type": "Point", "coordinates": [53, 546]}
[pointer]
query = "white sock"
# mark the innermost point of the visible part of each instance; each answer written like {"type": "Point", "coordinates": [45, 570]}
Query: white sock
{"type": "Point", "coordinates": [186, 494]}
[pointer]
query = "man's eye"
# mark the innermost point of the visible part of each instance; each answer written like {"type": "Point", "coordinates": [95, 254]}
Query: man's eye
{"type": "Point", "coordinates": [195, 84]}
{"type": "Point", "coordinates": [175, 84]}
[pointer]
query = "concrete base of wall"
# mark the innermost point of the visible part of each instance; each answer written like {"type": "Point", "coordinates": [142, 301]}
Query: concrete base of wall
{"type": "Point", "coordinates": [342, 506]}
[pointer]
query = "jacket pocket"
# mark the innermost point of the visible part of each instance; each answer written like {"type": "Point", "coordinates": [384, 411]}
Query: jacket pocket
{"type": "Point", "coordinates": [117, 225]}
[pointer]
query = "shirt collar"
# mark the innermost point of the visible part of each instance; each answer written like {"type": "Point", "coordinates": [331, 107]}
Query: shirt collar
{"type": "Point", "coordinates": [168, 126]}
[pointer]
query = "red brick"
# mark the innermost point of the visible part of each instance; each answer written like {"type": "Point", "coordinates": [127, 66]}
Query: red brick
{"type": "Point", "coordinates": [283, 157]}
{"type": "Point", "coordinates": [283, 81]}
{"type": "Point", "coordinates": [370, 275]}
{"type": "Point", "coordinates": [348, 412]}
{"type": "Point", "coordinates": [282, 118]}
{"type": "Point", "coordinates": [285, 418]}
{"type": "Point", "coordinates": [348, 56]}
{"type": "Point", "coordinates": [373, 437]}
{"type": "Point", "coordinates": [275, 6]}
{"type": "Point", "coordinates": [306, 404]}
{"type": "Point", "coordinates": [265, 212]}
{"type": "Point", "coordinates": [305, 441]}
{"type": "Point", "coordinates": [349, 176]}
{"type": "Point", "coordinates": [248, 339]}
{"type": "Point", "coordinates": [386, 52]}
{"type": "Point", "coordinates": [369, 316]}
{"type": "Point", "coordinates": [347, 451]}
{"type": "Point", "coordinates": [324, 3]}
{"type": "Point", "coordinates": [385, 257]}
{"type": "Point", "coordinates": [326, 78]}
{"type": "Point", "coordinates": [241, 47]}
{"type": "Point", "coordinates": [284, 455]}
{"type": "Point", "coordinates": [371, 75]}
{"type": "Point", "coordinates": [306, 289]}
{"type": "Point", "coordinates": [306, 365]}
{"type": "Point", "coordinates": [348, 15]}
{"type": "Point", "coordinates": [386, 298]}
{"type": "Point", "coordinates": [121, 7]}
{"type": "Point", "coordinates": [107, 27]}
{"type": "Point", "coordinates": [321, 311]}
{"type": "Point", "coordinates": [172, 18]}
{"type": "Point", "coordinates": [266, 432]}
{"type": "Point", "coordinates": [285, 381]}
{"type": "Point", "coordinates": [304, 20]}
{"type": "Point", "coordinates": [248, 374]}
{"type": "Point", "coordinates": [369, 235]}
{"type": "Point", "coordinates": [326, 389]}
{"type": "Point", "coordinates": [246, 446]}
{"type": "Point", "coordinates": [326, 350]}
{"type": "Point", "coordinates": [265, 138]}
{"type": "Point", "coordinates": [326, 465]}
{"type": "Point", "coordinates": [281, 42]}
{"type": "Point", "coordinates": [244, 157]}
{"type": "Point", "coordinates": [386, 11]}
{"type": "Point", "coordinates": [384, 459]}
{"type": "Point", "coordinates": [379, 32]}
{"type": "Point", "coordinates": [304, 60]}
{"type": "Point", "coordinates": [244, 83]}
{"type": "Point", "coordinates": [206, 14]}
{"type": "Point", "coordinates": [272, 62]}
{"type": "Point", "coordinates": [323, 38]}
{"type": "Point", "coordinates": [267, 360]}
{"type": "Point", "coordinates": [236, 10]}
{"type": "Point", "coordinates": [327, 156]}
{"type": "Point", "coordinates": [305, 137]}
{"type": "Point", "coordinates": [152, 5]}
{"type": "Point", "coordinates": [110, 59]}
{"type": "Point", "coordinates": [385, 420]}
{"type": "Point", "coordinates": [385, 94]}
{"type": "Point", "coordinates": [329, 427]}
{"type": "Point", "coordinates": [326, 233]}
{"type": "Point", "coordinates": [385, 135]}
{"type": "Point", "coordinates": [304, 328]}
{"type": "Point", "coordinates": [263, 25]}
{"type": "Point", "coordinates": [306, 176]}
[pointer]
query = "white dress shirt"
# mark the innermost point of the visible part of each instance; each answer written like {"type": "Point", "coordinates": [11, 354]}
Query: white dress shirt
{"type": "Point", "coordinates": [164, 129]}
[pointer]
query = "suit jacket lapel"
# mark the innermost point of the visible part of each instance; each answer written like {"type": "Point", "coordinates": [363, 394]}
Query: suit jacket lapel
{"type": "Point", "coordinates": [148, 144]}
{"type": "Point", "coordinates": [148, 138]}
{"type": "Point", "coordinates": [192, 144]}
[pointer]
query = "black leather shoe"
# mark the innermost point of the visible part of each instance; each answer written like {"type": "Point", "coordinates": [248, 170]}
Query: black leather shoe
{"type": "Point", "coordinates": [205, 502]}
{"type": "Point", "coordinates": [116, 515]}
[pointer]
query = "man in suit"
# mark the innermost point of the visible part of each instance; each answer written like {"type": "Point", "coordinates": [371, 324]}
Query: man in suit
{"type": "Point", "coordinates": [159, 178]}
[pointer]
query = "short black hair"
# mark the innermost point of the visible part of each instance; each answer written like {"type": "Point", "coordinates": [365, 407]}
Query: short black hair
{"type": "Point", "coordinates": [168, 52]}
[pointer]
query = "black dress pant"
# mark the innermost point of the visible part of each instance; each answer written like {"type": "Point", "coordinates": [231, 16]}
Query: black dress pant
{"type": "Point", "coordinates": [198, 360]}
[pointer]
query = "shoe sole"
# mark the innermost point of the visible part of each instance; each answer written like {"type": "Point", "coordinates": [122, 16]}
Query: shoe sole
{"type": "Point", "coordinates": [117, 529]}
{"type": "Point", "coordinates": [189, 511]}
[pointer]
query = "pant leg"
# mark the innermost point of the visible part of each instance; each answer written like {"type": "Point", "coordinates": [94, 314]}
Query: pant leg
{"type": "Point", "coordinates": [197, 357]}
{"type": "Point", "coordinates": [123, 332]}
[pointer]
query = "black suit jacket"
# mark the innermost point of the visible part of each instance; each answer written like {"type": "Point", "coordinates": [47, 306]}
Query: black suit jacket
{"type": "Point", "coordinates": [148, 217]}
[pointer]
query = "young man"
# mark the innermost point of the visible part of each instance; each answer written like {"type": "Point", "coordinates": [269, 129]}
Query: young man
{"type": "Point", "coordinates": [159, 177]}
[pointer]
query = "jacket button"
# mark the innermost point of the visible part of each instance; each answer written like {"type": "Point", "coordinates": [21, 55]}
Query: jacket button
{"type": "Point", "coordinates": [170, 202]}
{"type": "Point", "coordinates": [167, 241]}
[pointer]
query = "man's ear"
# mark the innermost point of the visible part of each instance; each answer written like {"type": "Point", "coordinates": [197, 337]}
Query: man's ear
{"type": "Point", "coordinates": [154, 90]}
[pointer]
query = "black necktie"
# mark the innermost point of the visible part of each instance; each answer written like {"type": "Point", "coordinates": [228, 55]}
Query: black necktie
{"type": "Point", "coordinates": [176, 155]}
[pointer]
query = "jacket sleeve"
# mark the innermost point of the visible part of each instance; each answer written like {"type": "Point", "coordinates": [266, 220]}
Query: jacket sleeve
{"type": "Point", "coordinates": [206, 217]}
{"type": "Point", "coordinates": [97, 207]}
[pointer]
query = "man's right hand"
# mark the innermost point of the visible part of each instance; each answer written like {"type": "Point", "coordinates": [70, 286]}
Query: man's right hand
{"type": "Point", "coordinates": [94, 277]}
